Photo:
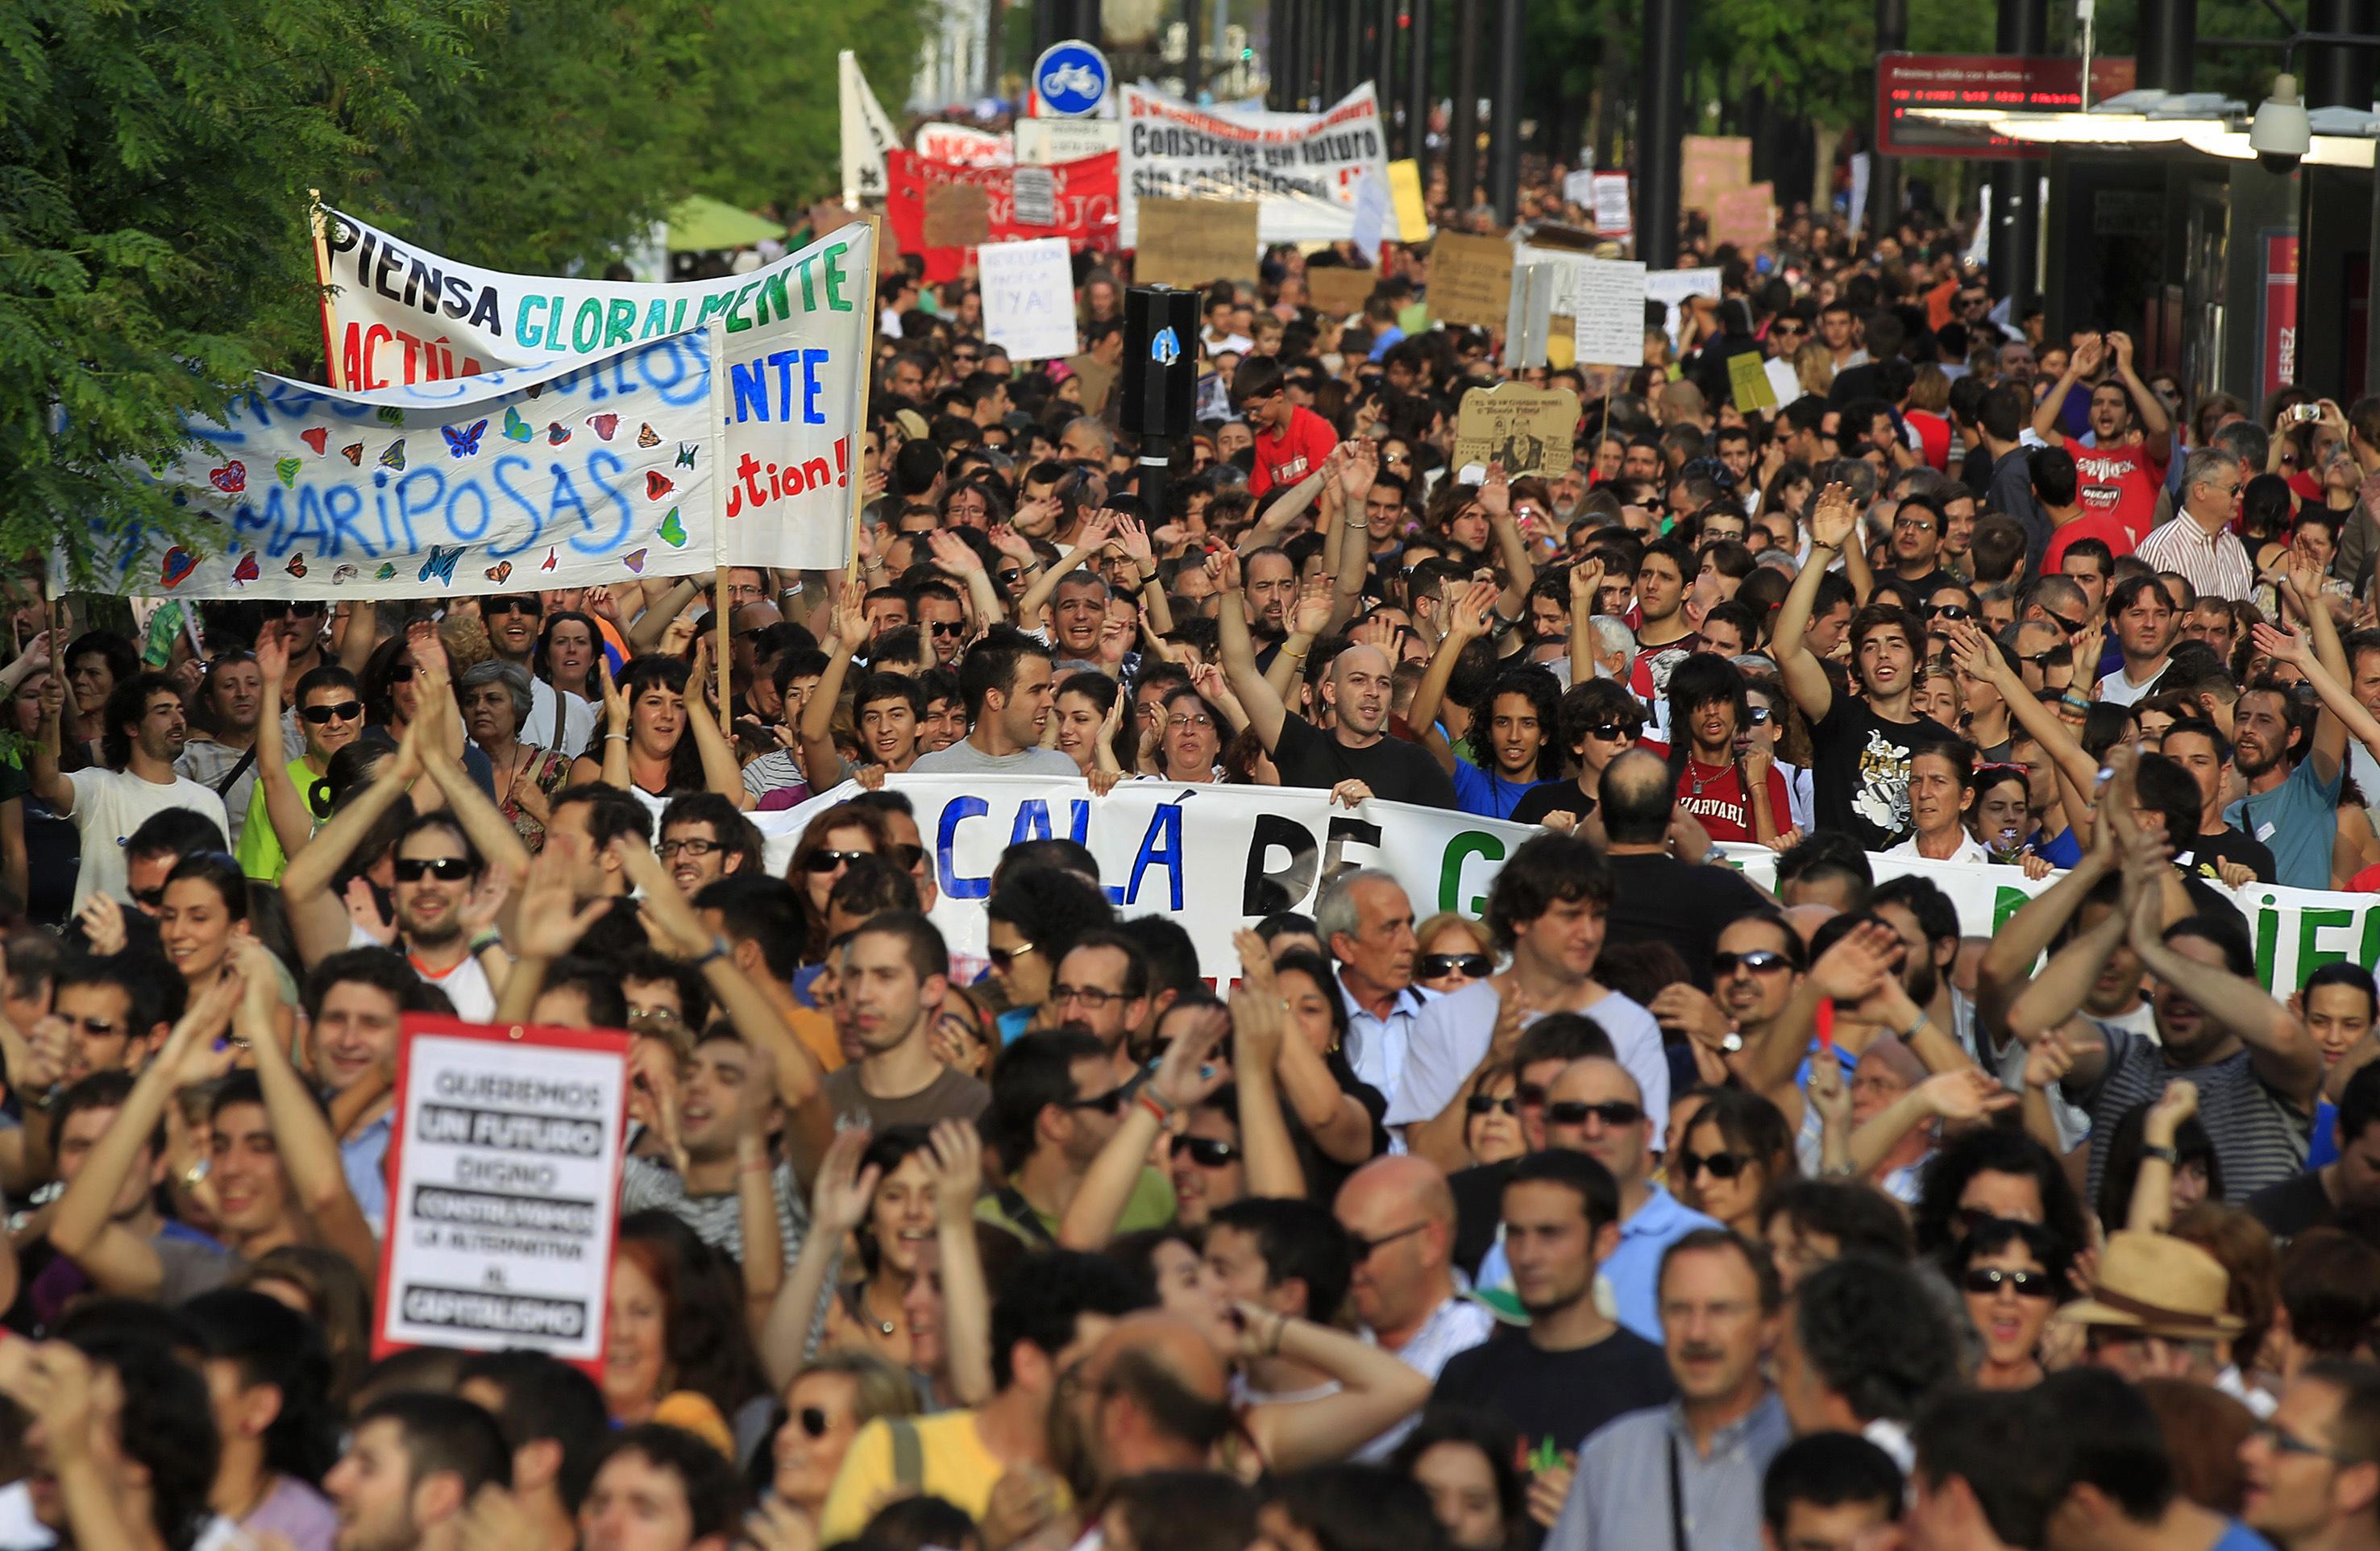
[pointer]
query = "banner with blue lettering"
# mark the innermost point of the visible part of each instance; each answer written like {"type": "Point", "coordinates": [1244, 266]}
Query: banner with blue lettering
{"type": "Point", "coordinates": [562, 474]}
{"type": "Point", "coordinates": [1215, 859]}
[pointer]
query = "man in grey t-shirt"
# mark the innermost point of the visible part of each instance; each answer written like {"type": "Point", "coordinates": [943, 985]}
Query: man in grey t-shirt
{"type": "Point", "coordinates": [1008, 684]}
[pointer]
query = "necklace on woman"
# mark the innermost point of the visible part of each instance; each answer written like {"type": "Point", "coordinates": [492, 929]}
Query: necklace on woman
{"type": "Point", "coordinates": [886, 1328]}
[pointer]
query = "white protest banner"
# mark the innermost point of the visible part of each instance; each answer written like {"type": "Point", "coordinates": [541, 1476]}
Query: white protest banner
{"type": "Point", "coordinates": [2296, 932]}
{"type": "Point", "coordinates": [961, 142]}
{"type": "Point", "coordinates": [1610, 320]}
{"type": "Point", "coordinates": [1044, 143]}
{"type": "Point", "coordinates": [398, 314]}
{"type": "Point", "coordinates": [1029, 297]}
{"type": "Point", "coordinates": [503, 1169]}
{"type": "Point", "coordinates": [560, 475]}
{"type": "Point", "coordinates": [1302, 168]}
{"type": "Point", "coordinates": [1373, 212]}
{"type": "Point", "coordinates": [867, 133]}
{"type": "Point", "coordinates": [1670, 288]}
{"type": "Point", "coordinates": [1578, 187]}
{"type": "Point", "coordinates": [1612, 217]}
{"type": "Point", "coordinates": [1216, 858]}
{"type": "Point", "coordinates": [794, 336]}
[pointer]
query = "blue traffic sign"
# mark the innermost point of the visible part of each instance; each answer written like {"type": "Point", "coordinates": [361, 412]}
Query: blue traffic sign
{"type": "Point", "coordinates": [1165, 349]}
{"type": "Point", "coordinates": [1072, 78]}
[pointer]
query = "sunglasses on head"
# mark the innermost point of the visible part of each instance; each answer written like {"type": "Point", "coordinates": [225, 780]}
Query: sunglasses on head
{"type": "Point", "coordinates": [827, 861]}
{"type": "Point", "coordinates": [446, 869]}
{"type": "Point", "coordinates": [1481, 1103]}
{"type": "Point", "coordinates": [1988, 1279]}
{"type": "Point", "coordinates": [343, 710]}
{"type": "Point", "coordinates": [1429, 966]}
{"type": "Point", "coordinates": [1760, 961]}
{"type": "Point", "coordinates": [1719, 1166]}
{"type": "Point", "coordinates": [1204, 1151]}
{"type": "Point", "coordinates": [1611, 1112]}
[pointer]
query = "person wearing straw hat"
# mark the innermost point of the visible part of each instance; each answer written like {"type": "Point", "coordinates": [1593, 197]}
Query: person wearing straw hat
{"type": "Point", "coordinates": [2158, 1308]}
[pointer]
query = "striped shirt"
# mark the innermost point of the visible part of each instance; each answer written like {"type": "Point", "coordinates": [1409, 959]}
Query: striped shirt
{"type": "Point", "coordinates": [2217, 565]}
{"type": "Point", "coordinates": [2260, 1136]}
{"type": "Point", "coordinates": [717, 1220]}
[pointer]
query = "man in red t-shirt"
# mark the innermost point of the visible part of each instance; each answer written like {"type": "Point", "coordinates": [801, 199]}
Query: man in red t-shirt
{"type": "Point", "coordinates": [1290, 442]}
{"type": "Point", "coordinates": [1734, 798]}
{"type": "Point", "coordinates": [2120, 476]}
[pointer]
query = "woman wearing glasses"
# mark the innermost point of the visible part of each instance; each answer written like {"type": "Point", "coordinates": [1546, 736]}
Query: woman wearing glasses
{"type": "Point", "coordinates": [1491, 1115]}
{"type": "Point", "coordinates": [829, 1401]}
{"type": "Point", "coordinates": [291, 795]}
{"type": "Point", "coordinates": [1449, 951]}
{"type": "Point", "coordinates": [2013, 1276]}
{"type": "Point", "coordinates": [496, 700]}
{"type": "Point", "coordinates": [1734, 1149]}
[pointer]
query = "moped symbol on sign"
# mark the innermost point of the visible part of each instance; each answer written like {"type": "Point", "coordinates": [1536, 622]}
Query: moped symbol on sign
{"type": "Point", "coordinates": [1072, 78]}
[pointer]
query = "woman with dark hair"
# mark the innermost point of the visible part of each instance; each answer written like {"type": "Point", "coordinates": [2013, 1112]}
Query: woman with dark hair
{"type": "Point", "coordinates": [675, 1348]}
{"type": "Point", "coordinates": [325, 1287]}
{"type": "Point", "coordinates": [1736, 796]}
{"type": "Point", "coordinates": [2132, 1195]}
{"type": "Point", "coordinates": [202, 920]}
{"type": "Point", "coordinates": [1597, 721]}
{"type": "Point", "coordinates": [1468, 1462]}
{"type": "Point", "coordinates": [95, 663]}
{"type": "Point", "coordinates": [565, 661]}
{"type": "Point", "coordinates": [2013, 1276]}
{"type": "Point", "coordinates": [658, 740]}
{"type": "Point", "coordinates": [1735, 1147]}
{"type": "Point", "coordinates": [1187, 736]}
{"type": "Point", "coordinates": [1338, 1112]}
{"type": "Point", "coordinates": [821, 858]}
{"type": "Point", "coordinates": [1994, 1172]}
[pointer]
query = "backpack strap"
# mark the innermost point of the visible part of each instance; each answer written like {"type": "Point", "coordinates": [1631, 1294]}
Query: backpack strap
{"type": "Point", "coordinates": [908, 1454]}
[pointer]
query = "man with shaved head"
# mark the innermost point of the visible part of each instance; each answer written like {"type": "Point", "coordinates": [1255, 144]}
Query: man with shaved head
{"type": "Point", "coordinates": [1399, 1215]}
{"type": "Point", "coordinates": [1596, 1107]}
{"type": "Point", "coordinates": [1357, 758]}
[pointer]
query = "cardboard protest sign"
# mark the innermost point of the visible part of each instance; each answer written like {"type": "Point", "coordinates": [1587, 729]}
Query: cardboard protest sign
{"type": "Point", "coordinates": [1193, 243]}
{"type": "Point", "coordinates": [1609, 324]}
{"type": "Point", "coordinates": [1300, 168]}
{"type": "Point", "coordinates": [1470, 279]}
{"type": "Point", "coordinates": [551, 476]}
{"type": "Point", "coordinates": [1082, 195]}
{"type": "Point", "coordinates": [1029, 297]}
{"type": "Point", "coordinates": [1528, 430]}
{"type": "Point", "coordinates": [1748, 383]}
{"type": "Point", "coordinates": [1709, 165]}
{"type": "Point", "coordinates": [1224, 860]}
{"type": "Point", "coordinates": [1746, 217]}
{"type": "Point", "coordinates": [504, 1166]}
{"type": "Point", "coordinates": [958, 215]}
{"type": "Point", "coordinates": [1338, 291]}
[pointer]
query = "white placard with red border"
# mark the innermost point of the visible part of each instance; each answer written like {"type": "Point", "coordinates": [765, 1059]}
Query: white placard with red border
{"type": "Point", "coordinates": [504, 1170]}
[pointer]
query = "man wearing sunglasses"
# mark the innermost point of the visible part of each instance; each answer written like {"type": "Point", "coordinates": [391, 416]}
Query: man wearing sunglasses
{"type": "Point", "coordinates": [146, 733]}
{"type": "Point", "coordinates": [1399, 1215]}
{"type": "Point", "coordinates": [558, 720]}
{"type": "Point", "coordinates": [1056, 1099]}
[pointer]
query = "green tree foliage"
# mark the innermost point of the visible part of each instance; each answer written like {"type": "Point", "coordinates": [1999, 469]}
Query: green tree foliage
{"type": "Point", "coordinates": [156, 157]}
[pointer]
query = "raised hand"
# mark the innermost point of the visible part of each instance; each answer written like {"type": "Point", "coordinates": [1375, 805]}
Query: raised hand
{"type": "Point", "coordinates": [615, 700]}
{"type": "Point", "coordinates": [2121, 343]}
{"type": "Point", "coordinates": [1966, 1095]}
{"type": "Point", "coordinates": [1312, 615]}
{"type": "Point", "coordinates": [851, 615]}
{"type": "Point", "coordinates": [102, 923]}
{"type": "Point", "coordinates": [272, 654]}
{"type": "Point", "coordinates": [1832, 518]}
{"type": "Point", "coordinates": [839, 1198]}
{"type": "Point", "coordinates": [2282, 644]}
{"type": "Point", "coordinates": [2088, 357]}
{"type": "Point", "coordinates": [2177, 1103]}
{"type": "Point", "coordinates": [1849, 970]}
{"type": "Point", "coordinates": [1474, 614]}
{"type": "Point", "coordinates": [2046, 1064]}
{"type": "Point", "coordinates": [1223, 570]}
{"type": "Point", "coordinates": [1586, 583]}
{"type": "Point", "coordinates": [550, 922]}
{"type": "Point", "coordinates": [953, 556]}
{"type": "Point", "coordinates": [1006, 540]}
{"type": "Point", "coordinates": [1187, 1073]}
{"type": "Point", "coordinates": [1496, 492]}
{"type": "Point", "coordinates": [1828, 1092]}
{"type": "Point", "coordinates": [1361, 467]}
{"type": "Point", "coordinates": [1132, 537]}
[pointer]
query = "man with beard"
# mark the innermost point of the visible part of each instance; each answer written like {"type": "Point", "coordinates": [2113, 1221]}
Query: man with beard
{"type": "Point", "coordinates": [894, 976]}
{"type": "Point", "coordinates": [453, 869]}
{"type": "Point", "coordinates": [2291, 754]}
{"type": "Point", "coordinates": [1918, 529]}
{"type": "Point", "coordinates": [1056, 1099]}
{"type": "Point", "coordinates": [560, 720]}
{"type": "Point", "coordinates": [1861, 744]}
{"type": "Point", "coordinates": [223, 761]}
{"type": "Point", "coordinates": [1756, 967]}
{"type": "Point", "coordinates": [2123, 469]}
{"type": "Point", "coordinates": [2255, 1066]}
{"type": "Point", "coordinates": [1357, 758]}
{"type": "Point", "coordinates": [1272, 599]}
{"type": "Point", "coordinates": [1101, 989]}
{"type": "Point", "coordinates": [414, 1463]}
{"type": "Point", "coordinates": [147, 729]}
{"type": "Point", "coordinates": [2145, 626]}
{"type": "Point", "coordinates": [1720, 1300]}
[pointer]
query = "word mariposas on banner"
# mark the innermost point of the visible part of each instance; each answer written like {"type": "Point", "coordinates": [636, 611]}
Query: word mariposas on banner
{"type": "Point", "coordinates": [553, 477]}
{"type": "Point", "coordinates": [1303, 169]}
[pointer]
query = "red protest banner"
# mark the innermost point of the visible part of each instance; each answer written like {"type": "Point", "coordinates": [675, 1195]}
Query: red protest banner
{"type": "Point", "coordinates": [1084, 195]}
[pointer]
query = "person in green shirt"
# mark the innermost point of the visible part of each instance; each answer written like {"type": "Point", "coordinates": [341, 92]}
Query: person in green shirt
{"type": "Point", "coordinates": [1055, 1100]}
{"type": "Point", "coordinates": [286, 803]}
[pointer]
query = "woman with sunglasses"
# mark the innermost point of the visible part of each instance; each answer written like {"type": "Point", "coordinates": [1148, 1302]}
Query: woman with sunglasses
{"type": "Point", "coordinates": [835, 1395]}
{"type": "Point", "coordinates": [822, 855]}
{"type": "Point", "coordinates": [496, 699]}
{"type": "Point", "coordinates": [1736, 1147]}
{"type": "Point", "coordinates": [2011, 1277]}
{"type": "Point", "coordinates": [1450, 951]}
{"type": "Point", "coordinates": [1491, 1115]}
{"type": "Point", "coordinates": [291, 798]}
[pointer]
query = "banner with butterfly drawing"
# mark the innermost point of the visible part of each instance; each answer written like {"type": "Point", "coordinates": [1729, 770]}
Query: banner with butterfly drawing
{"type": "Point", "coordinates": [563, 475]}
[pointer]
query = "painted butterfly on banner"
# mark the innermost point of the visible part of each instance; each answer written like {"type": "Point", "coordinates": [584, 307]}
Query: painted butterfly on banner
{"type": "Point", "coordinates": [465, 443]}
